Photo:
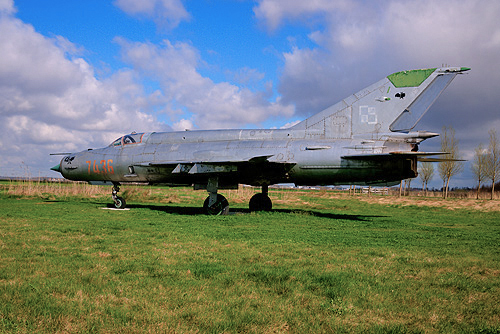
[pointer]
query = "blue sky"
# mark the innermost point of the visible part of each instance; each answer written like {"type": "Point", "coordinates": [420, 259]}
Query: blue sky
{"type": "Point", "coordinates": [77, 74]}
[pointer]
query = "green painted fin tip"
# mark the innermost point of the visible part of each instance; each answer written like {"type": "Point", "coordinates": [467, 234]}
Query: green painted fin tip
{"type": "Point", "coordinates": [413, 78]}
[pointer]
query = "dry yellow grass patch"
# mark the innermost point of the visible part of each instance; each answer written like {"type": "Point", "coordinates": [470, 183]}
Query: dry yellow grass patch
{"type": "Point", "coordinates": [452, 204]}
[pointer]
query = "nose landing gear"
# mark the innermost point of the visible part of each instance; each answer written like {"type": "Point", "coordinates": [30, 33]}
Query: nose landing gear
{"type": "Point", "coordinates": [220, 205]}
{"type": "Point", "coordinates": [215, 204]}
{"type": "Point", "coordinates": [119, 202]}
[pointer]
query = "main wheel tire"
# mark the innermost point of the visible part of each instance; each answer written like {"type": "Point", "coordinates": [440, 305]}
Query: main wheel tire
{"type": "Point", "coordinates": [220, 207]}
{"type": "Point", "coordinates": [260, 202]}
{"type": "Point", "coordinates": [120, 203]}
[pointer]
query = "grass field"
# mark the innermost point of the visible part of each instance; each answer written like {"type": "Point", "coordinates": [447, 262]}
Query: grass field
{"type": "Point", "coordinates": [316, 264]}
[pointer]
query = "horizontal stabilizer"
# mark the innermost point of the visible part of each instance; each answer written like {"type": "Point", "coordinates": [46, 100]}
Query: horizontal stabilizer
{"type": "Point", "coordinates": [438, 159]}
{"type": "Point", "coordinates": [391, 155]}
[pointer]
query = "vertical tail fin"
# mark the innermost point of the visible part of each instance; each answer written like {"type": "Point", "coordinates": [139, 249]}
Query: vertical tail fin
{"type": "Point", "coordinates": [395, 103]}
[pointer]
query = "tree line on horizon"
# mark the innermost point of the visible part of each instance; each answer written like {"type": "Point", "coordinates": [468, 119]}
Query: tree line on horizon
{"type": "Point", "coordinates": [485, 165]}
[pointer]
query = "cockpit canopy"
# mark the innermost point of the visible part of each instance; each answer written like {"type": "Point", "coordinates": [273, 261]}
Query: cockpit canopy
{"type": "Point", "coordinates": [133, 138]}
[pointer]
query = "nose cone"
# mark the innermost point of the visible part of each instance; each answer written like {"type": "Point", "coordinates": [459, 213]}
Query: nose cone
{"type": "Point", "coordinates": [57, 168]}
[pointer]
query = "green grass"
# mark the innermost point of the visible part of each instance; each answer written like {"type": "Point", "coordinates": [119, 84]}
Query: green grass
{"type": "Point", "coordinates": [68, 266]}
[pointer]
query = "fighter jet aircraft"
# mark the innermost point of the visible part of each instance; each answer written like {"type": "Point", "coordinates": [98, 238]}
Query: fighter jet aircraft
{"type": "Point", "coordinates": [365, 139]}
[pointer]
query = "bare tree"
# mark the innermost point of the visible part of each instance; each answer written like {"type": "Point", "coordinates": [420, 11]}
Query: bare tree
{"type": "Point", "coordinates": [493, 160]}
{"type": "Point", "coordinates": [479, 166]}
{"type": "Point", "coordinates": [426, 173]}
{"type": "Point", "coordinates": [407, 187]}
{"type": "Point", "coordinates": [450, 166]}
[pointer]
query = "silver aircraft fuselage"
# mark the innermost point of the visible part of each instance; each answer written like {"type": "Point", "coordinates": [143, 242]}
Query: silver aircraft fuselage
{"type": "Point", "coordinates": [253, 157]}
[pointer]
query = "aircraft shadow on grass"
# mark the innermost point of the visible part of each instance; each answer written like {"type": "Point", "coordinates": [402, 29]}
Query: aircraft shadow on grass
{"type": "Point", "coordinates": [196, 211]}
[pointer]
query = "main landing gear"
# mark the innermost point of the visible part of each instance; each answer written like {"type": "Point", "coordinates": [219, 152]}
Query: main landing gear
{"type": "Point", "coordinates": [118, 201]}
{"type": "Point", "coordinates": [261, 201]}
{"type": "Point", "coordinates": [216, 204]}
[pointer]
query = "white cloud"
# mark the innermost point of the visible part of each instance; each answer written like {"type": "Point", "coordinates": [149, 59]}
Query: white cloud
{"type": "Point", "coordinates": [213, 105]}
{"type": "Point", "coordinates": [7, 7]}
{"type": "Point", "coordinates": [246, 76]}
{"type": "Point", "coordinates": [50, 100]}
{"type": "Point", "coordinates": [274, 12]}
{"type": "Point", "coordinates": [429, 29]}
{"type": "Point", "coordinates": [166, 13]}
{"type": "Point", "coordinates": [290, 124]}
{"type": "Point", "coordinates": [183, 124]}
{"type": "Point", "coordinates": [31, 62]}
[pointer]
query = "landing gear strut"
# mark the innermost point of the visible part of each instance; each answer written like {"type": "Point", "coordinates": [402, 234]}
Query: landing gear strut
{"type": "Point", "coordinates": [118, 201]}
{"type": "Point", "coordinates": [261, 201]}
{"type": "Point", "coordinates": [215, 204]}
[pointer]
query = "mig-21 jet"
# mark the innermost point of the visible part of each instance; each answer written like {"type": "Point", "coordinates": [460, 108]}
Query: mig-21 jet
{"type": "Point", "coordinates": [365, 139]}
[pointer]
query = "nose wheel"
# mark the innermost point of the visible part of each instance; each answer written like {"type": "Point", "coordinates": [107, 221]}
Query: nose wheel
{"type": "Point", "coordinates": [119, 202]}
{"type": "Point", "coordinates": [215, 204]}
{"type": "Point", "coordinates": [219, 207]}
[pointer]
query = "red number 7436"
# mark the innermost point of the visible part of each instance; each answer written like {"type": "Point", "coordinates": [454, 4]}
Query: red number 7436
{"type": "Point", "coordinates": [101, 167]}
